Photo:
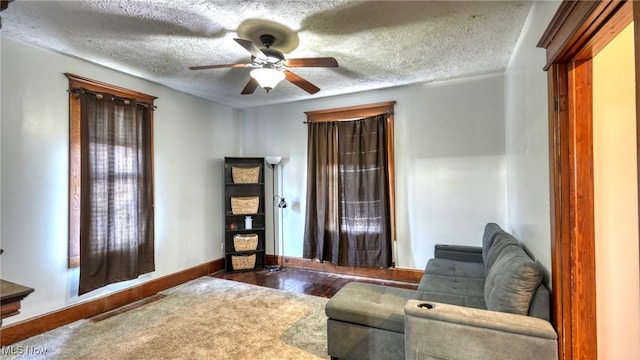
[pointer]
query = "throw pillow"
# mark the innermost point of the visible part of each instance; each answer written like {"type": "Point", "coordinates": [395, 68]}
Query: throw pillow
{"type": "Point", "coordinates": [501, 241]}
{"type": "Point", "coordinates": [512, 282]}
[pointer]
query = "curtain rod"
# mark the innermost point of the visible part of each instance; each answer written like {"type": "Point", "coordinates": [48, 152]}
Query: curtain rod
{"type": "Point", "coordinates": [350, 119]}
{"type": "Point", "coordinates": [80, 90]}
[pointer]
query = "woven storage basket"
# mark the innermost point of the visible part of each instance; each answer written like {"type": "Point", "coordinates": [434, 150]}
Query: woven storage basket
{"type": "Point", "coordinates": [245, 175]}
{"type": "Point", "coordinates": [243, 262]}
{"type": "Point", "coordinates": [245, 242]}
{"type": "Point", "coordinates": [244, 204]}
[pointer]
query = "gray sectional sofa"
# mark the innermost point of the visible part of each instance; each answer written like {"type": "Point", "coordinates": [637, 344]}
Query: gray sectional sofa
{"type": "Point", "coordinates": [484, 302]}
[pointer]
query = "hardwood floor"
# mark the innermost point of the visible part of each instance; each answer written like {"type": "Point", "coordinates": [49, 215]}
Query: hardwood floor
{"type": "Point", "coordinates": [304, 281]}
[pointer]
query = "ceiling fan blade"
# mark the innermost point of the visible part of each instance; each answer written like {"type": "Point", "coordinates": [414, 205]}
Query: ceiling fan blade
{"type": "Point", "coordinates": [252, 48]}
{"type": "Point", "coordinates": [300, 82]}
{"type": "Point", "coordinates": [216, 66]}
{"type": "Point", "coordinates": [312, 62]}
{"type": "Point", "coordinates": [250, 87]}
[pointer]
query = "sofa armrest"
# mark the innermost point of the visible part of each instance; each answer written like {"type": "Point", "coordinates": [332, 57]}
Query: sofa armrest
{"type": "Point", "coordinates": [443, 331]}
{"type": "Point", "coordinates": [458, 252]}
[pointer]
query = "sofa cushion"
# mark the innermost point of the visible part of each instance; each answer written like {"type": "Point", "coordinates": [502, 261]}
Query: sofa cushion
{"type": "Point", "coordinates": [466, 253]}
{"type": "Point", "coordinates": [500, 242]}
{"type": "Point", "coordinates": [512, 282]}
{"type": "Point", "coordinates": [453, 290]}
{"type": "Point", "coordinates": [541, 303]}
{"type": "Point", "coordinates": [448, 267]}
{"type": "Point", "coordinates": [372, 305]}
{"type": "Point", "coordinates": [490, 232]}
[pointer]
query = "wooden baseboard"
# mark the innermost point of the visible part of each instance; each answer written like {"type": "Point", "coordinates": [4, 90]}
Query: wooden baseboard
{"type": "Point", "coordinates": [37, 325]}
{"type": "Point", "coordinates": [40, 324]}
{"type": "Point", "coordinates": [394, 274]}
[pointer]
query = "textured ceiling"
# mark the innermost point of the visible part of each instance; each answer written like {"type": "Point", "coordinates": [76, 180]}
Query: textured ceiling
{"type": "Point", "coordinates": [377, 44]}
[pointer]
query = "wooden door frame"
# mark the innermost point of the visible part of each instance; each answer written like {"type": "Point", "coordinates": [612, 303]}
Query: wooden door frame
{"type": "Point", "coordinates": [578, 31]}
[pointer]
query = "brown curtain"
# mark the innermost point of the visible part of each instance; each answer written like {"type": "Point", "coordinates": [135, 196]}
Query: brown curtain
{"type": "Point", "coordinates": [347, 218]}
{"type": "Point", "coordinates": [116, 224]}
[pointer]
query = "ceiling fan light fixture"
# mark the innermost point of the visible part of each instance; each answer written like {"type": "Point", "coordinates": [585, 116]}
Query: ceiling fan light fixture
{"type": "Point", "coordinates": [268, 78]}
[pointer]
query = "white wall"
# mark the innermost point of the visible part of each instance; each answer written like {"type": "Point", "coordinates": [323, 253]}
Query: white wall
{"type": "Point", "coordinates": [451, 164]}
{"type": "Point", "coordinates": [191, 138]}
{"type": "Point", "coordinates": [527, 144]}
{"type": "Point", "coordinates": [450, 161]}
{"type": "Point", "coordinates": [615, 168]}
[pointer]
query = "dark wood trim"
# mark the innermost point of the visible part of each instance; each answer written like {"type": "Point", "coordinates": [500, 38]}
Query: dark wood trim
{"type": "Point", "coordinates": [77, 81]}
{"type": "Point", "coordinates": [75, 186]}
{"type": "Point", "coordinates": [578, 31]}
{"type": "Point", "coordinates": [553, 34]}
{"type": "Point", "coordinates": [560, 207]}
{"type": "Point", "coordinates": [582, 232]}
{"type": "Point", "coordinates": [394, 274]}
{"type": "Point", "coordinates": [392, 180]}
{"type": "Point", "coordinates": [574, 27]}
{"type": "Point", "coordinates": [612, 24]}
{"type": "Point", "coordinates": [37, 325]}
{"type": "Point", "coordinates": [350, 112]}
{"type": "Point", "coordinates": [273, 260]}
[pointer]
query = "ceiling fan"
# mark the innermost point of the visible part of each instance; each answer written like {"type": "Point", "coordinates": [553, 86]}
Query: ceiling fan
{"type": "Point", "coordinates": [270, 66]}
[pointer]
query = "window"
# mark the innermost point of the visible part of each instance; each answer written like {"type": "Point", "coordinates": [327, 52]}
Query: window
{"type": "Point", "coordinates": [350, 218]}
{"type": "Point", "coordinates": [111, 183]}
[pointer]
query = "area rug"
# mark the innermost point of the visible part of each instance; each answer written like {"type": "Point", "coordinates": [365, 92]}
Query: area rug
{"type": "Point", "coordinates": [207, 318]}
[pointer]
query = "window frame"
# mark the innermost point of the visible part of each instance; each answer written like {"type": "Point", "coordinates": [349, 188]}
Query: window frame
{"type": "Point", "coordinates": [362, 111]}
{"type": "Point", "coordinates": [75, 185]}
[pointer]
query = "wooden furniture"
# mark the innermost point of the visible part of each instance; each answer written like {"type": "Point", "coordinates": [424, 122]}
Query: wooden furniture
{"type": "Point", "coordinates": [239, 202]}
{"type": "Point", "coordinates": [11, 294]}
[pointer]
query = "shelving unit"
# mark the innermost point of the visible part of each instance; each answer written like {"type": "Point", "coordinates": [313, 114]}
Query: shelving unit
{"type": "Point", "coordinates": [235, 222]}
